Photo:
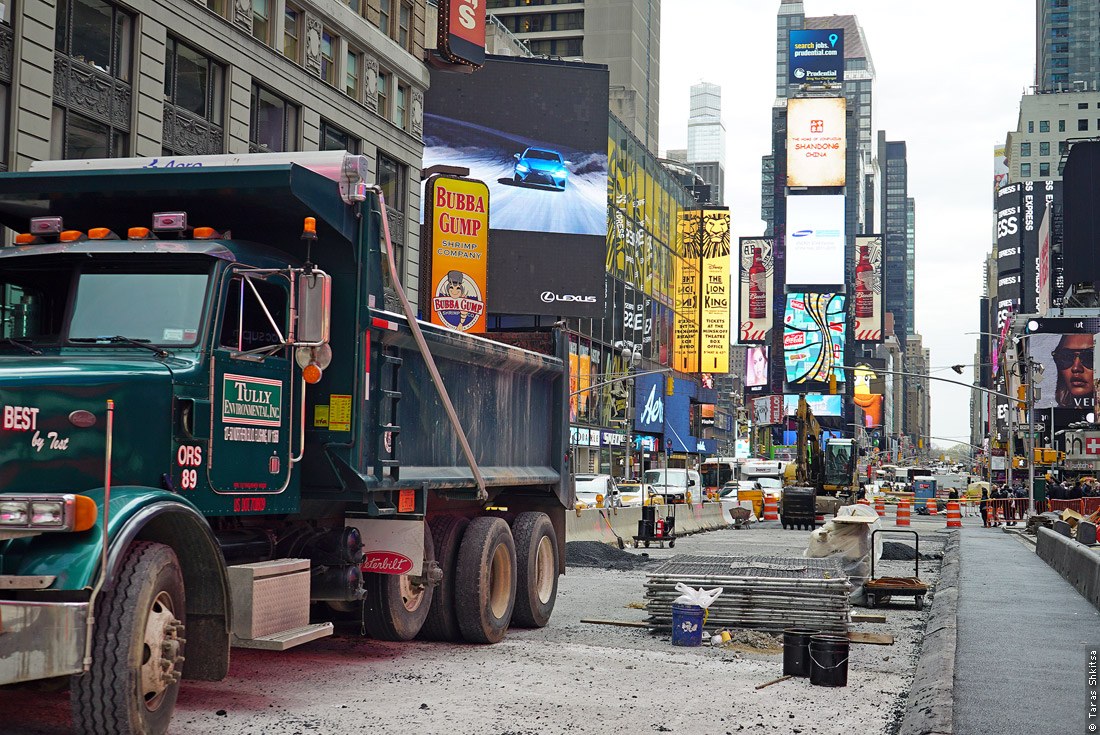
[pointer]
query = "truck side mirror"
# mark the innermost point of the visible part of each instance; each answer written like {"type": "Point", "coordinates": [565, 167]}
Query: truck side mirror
{"type": "Point", "coordinates": [314, 306]}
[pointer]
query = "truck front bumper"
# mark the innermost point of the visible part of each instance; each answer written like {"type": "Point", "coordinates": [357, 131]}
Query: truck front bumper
{"type": "Point", "coordinates": [40, 640]}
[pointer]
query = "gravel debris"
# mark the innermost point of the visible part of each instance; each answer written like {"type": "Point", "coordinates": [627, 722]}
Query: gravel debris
{"type": "Point", "coordinates": [898, 551]}
{"type": "Point", "coordinates": [596, 555]}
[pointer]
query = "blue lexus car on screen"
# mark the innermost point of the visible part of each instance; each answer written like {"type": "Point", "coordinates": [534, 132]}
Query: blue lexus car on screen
{"type": "Point", "coordinates": [542, 167]}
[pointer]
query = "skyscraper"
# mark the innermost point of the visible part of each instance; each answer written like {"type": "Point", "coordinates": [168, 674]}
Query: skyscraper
{"type": "Point", "coordinates": [894, 225]}
{"type": "Point", "coordinates": [706, 151]}
{"type": "Point", "coordinates": [1067, 45]}
{"type": "Point", "coordinates": [624, 34]}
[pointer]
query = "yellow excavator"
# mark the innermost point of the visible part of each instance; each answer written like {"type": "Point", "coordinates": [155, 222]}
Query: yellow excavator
{"type": "Point", "coordinates": [817, 482]}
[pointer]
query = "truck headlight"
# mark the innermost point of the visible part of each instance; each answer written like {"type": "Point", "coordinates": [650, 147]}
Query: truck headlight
{"type": "Point", "coordinates": [65, 512]}
{"type": "Point", "coordinates": [13, 513]}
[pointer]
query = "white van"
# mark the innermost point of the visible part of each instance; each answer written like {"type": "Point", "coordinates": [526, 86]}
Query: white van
{"type": "Point", "coordinates": [674, 485]}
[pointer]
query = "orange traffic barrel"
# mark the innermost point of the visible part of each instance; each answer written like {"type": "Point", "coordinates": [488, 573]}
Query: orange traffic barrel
{"type": "Point", "coordinates": [880, 507]}
{"type": "Point", "coordinates": [932, 507]}
{"type": "Point", "coordinates": [771, 508]}
{"type": "Point", "coordinates": [903, 513]}
{"type": "Point", "coordinates": [954, 518]}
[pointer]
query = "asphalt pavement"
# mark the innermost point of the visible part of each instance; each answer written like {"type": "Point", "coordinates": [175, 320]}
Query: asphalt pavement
{"type": "Point", "coordinates": [1024, 641]}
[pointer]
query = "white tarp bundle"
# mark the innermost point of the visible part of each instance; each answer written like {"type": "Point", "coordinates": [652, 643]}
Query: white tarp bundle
{"type": "Point", "coordinates": [848, 537]}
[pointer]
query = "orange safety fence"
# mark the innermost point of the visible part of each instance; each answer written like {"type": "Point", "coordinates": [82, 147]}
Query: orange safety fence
{"type": "Point", "coordinates": [1084, 506]}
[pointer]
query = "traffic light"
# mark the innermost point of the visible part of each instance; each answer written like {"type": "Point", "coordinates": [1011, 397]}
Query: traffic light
{"type": "Point", "coordinates": [1021, 396]}
{"type": "Point", "coordinates": [832, 383]}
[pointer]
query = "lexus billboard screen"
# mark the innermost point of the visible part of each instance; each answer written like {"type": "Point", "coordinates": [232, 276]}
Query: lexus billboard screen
{"type": "Point", "coordinates": [815, 239]}
{"type": "Point", "coordinates": [815, 141]}
{"type": "Point", "coordinates": [504, 124]}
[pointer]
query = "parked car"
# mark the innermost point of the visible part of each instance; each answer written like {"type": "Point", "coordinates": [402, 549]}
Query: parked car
{"type": "Point", "coordinates": [730, 489]}
{"type": "Point", "coordinates": [542, 167]}
{"type": "Point", "coordinates": [588, 487]}
{"type": "Point", "coordinates": [675, 485]}
{"type": "Point", "coordinates": [770, 485]}
{"type": "Point", "coordinates": [635, 493]}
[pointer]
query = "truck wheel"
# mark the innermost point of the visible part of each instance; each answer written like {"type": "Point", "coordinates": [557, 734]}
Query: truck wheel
{"type": "Point", "coordinates": [537, 567]}
{"type": "Point", "coordinates": [137, 648]}
{"type": "Point", "coordinates": [441, 624]}
{"type": "Point", "coordinates": [396, 605]}
{"type": "Point", "coordinates": [485, 577]}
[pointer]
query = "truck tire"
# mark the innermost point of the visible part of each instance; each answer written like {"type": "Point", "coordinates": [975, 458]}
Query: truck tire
{"type": "Point", "coordinates": [485, 580]}
{"type": "Point", "coordinates": [537, 570]}
{"type": "Point", "coordinates": [396, 605]}
{"type": "Point", "coordinates": [441, 623]}
{"type": "Point", "coordinates": [137, 648]}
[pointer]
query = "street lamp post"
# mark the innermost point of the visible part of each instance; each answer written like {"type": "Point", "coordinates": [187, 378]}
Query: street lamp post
{"type": "Point", "coordinates": [632, 355]}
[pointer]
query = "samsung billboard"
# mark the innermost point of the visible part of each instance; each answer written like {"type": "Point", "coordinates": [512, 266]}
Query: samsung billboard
{"type": "Point", "coordinates": [815, 239]}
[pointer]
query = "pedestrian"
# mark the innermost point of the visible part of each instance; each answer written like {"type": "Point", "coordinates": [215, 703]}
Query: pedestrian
{"type": "Point", "coordinates": [983, 508]}
{"type": "Point", "coordinates": [1007, 494]}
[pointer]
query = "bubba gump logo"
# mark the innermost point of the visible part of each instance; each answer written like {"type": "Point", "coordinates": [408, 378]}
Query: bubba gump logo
{"type": "Point", "coordinates": [458, 301]}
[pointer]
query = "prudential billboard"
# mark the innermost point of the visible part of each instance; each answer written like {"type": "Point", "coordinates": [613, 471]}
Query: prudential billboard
{"type": "Point", "coordinates": [816, 56]}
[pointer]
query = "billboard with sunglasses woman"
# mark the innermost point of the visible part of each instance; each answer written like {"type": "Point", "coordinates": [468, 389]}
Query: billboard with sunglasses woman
{"type": "Point", "coordinates": [1068, 359]}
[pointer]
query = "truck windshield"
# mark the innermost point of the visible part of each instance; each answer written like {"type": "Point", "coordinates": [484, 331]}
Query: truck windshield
{"type": "Point", "coordinates": [163, 308]}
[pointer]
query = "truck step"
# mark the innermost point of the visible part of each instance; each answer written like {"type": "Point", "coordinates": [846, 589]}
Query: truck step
{"type": "Point", "coordinates": [392, 359]}
{"type": "Point", "coordinates": [390, 462]}
{"type": "Point", "coordinates": [392, 394]}
{"type": "Point", "coordinates": [391, 428]}
{"type": "Point", "coordinates": [286, 639]}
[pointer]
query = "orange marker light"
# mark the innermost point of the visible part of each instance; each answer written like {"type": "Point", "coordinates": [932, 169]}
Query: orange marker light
{"type": "Point", "coordinates": [24, 238]}
{"type": "Point", "coordinates": [86, 512]}
{"type": "Point", "coordinates": [101, 233]}
{"type": "Point", "coordinates": [309, 229]}
{"type": "Point", "coordinates": [311, 373]}
{"type": "Point", "coordinates": [137, 233]}
{"type": "Point", "coordinates": [71, 235]}
{"type": "Point", "coordinates": [204, 233]}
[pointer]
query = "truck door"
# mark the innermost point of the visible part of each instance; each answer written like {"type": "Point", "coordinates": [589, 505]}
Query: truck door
{"type": "Point", "coordinates": [251, 388]}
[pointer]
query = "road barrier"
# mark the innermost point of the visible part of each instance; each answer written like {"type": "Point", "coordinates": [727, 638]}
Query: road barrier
{"type": "Point", "coordinates": [1078, 564]}
{"type": "Point", "coordinates": [880, 507]}
{"type": "Point", "coordinates": [771, 508]}
{"type": "Point", "coordinates": [954, 517]}
{"type": "Point", "coordinates": [902, 517]}
{"type": "Point", "coordinates": [605, 524]}
{"type": "Point", "coordinates": [932, 507]}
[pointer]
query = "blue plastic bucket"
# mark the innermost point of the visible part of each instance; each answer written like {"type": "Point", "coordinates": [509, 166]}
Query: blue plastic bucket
{"type": "Point", "coordinates": [687, 625]}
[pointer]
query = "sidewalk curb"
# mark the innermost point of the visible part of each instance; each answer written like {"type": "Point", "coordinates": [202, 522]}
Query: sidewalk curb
{"type": "Point", "coordinates": [929, 708]}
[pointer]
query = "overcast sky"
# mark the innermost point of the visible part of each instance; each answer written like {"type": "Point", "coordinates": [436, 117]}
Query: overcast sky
{"type": "Point", "coordinates": [949, 77]}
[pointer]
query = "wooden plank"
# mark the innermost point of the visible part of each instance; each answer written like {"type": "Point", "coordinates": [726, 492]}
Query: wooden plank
{"type": "Point", "coordinates": [875, 639]}
{"type": "Point", "coordinates": [620, 623]}
{"type": "Point", "coordinates": [868, 618]}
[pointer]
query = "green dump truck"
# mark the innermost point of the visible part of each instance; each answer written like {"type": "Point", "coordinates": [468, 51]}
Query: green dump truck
{"type": "Point", "coordinates": [213, 433]}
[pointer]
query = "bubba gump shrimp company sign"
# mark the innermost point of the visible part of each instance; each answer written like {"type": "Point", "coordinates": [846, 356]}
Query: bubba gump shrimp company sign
{"type": "Point", "coordinates": [458, 219]}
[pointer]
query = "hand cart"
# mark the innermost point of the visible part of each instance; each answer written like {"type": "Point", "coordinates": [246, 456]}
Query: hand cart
{"type": "Point", "coordinates": [653, 527]}
{"type": "Point", "coordinates": [876, 590]}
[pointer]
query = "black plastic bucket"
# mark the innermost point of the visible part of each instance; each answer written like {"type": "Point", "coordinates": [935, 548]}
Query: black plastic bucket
{"type": "Point", "coordinates": [829, 660]}
{"type": "Point", "coordinates": [796, 651]}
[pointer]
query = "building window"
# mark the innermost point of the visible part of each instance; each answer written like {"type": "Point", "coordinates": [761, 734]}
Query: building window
{"type": "Point", "coordinates": [1031, 126]}
{"type": "Point", "coordinates": [218, 6]}
{"type": "Point", "coordinates": [1082, 105]}
{"type": "Point", "coordinates": [1061, 126]}
{"type": "Point", "coordinates": [385, 15]}
{"type": "Point", "coordinates": [353, 4]}
{"type": "Point", "coordinates": [292, 34]}
{"type": "Point", "coordinates": [193, 81]}
{"type": "Point", "coordinates": [1025, 149]}
{"type": "Point", "coordinates": [273, 124]}
{"type": "Point", "coordinates": [401, 106]}
{"type": "Point", "coordinates": [1044, 148]}
{"type": "Point", "coordinates": [351, 78]}
{"type": "Point", "coordinates": [261, 21]}
{"type": "Point", "coordinates": [1044, 126]}
{"type": "Point", "coordinates": [335, 139]}
{"type": "Point", "coordinates": [383, 94]}
{"type": "Point", "coordinates": [75, 136]}
{"type": "Point", "coordinates": [95, 33]}
{"type": "Point", "coordinates": [1025, 170]}
{"type": "Point", "coordinates": [1044, 169]}
{"type": "Point", "coordinates": [1082, 124]}
{"type": "Point", "coordinates": [391, 179]}
{"type": "Point", "coordinates": [328, 57]}
{"type": "Point", "coordinates": [1063, 148]}
{"type": "Point", "coordinates": [404, 22]}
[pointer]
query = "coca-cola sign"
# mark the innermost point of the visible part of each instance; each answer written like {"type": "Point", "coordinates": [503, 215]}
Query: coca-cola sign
{"type": "Point", "coordinates": [386, 562]}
